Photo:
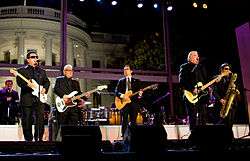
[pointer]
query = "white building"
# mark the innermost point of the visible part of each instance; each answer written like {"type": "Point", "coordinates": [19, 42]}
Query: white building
{"type": "Point", "coordinates": [28, 27]}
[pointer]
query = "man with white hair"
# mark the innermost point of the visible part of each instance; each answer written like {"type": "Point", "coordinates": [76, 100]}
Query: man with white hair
{"type": "Point", "coordinates": [63, 87]}
{"type": "Point", "coordinates": [190, 74]}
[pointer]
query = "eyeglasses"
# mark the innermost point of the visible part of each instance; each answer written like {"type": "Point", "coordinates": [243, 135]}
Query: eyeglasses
{"type": "Point", "coordinates": [33, 57]}
{"type": "Point", "coordinates": [226, 68]}
{"type": "Point", "coordinates": [68, 70]}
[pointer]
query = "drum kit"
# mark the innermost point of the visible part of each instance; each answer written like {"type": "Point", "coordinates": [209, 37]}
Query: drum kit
{"type": "Point", "coordinates": [106, 116]}
{"type": "Point", "coordinates": [112, 116]}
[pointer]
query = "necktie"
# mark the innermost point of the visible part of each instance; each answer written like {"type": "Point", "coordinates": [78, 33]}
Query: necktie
{"type": "Point", "coordinates": [129, 84]}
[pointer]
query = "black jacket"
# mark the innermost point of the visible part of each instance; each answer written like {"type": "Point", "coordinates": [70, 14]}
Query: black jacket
{"type": "Point", "coordinates": [64, 87]}
{"type": "Point", "coordinates": [190, 75]}
{"type": "Point", "coordinates": [121, 86]}
{"type": "Point", "coordinates": [39, 75]}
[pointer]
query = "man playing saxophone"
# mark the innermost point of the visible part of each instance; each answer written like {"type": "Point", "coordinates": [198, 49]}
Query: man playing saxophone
{"type": "Point", "coordinates": [225, 92]}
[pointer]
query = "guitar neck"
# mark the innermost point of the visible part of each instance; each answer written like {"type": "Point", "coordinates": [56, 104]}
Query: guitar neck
{"type": "Point", "coordinates": [21, 76]}
{"type": "Point", "coordinates": [209, 83]}
{"type": "Point", "coordinates": [144, 89]}
{"type": "Point", "coordinates": [91, 91]}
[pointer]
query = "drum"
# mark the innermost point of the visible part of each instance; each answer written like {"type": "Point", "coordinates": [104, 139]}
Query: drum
{"type": "Point", "coordinates": [97, 115]}
{"type": "Point", "coordinates": [114, 117]}
{"type": "Point", "coordinates": [139, 119]}
{"type": "Point", "coordinates": [103, 113]}
{"type": "Point", "coordinates": [93, 114]}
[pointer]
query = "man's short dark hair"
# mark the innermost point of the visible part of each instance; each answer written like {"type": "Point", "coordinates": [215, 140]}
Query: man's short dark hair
{"type": "Point", "coordinates": [8, 81]}
{"type": "Point", "coordinates": [29, 52]}
{"type": "Point", "coordinates": [130, 67]}
{"type": "Point", "coordinates": [225, 65]}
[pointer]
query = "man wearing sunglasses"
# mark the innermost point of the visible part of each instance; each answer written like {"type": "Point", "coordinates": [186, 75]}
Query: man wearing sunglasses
{"type": "Point", "coordinates": [33, 78]}
{"type": "Point", "coordinates": [220, 91]}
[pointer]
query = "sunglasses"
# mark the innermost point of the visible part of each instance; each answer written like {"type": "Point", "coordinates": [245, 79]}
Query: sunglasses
{"type": "Point", "coordinates": [33, 57]}
{"type": "Point", "coordinates": [226, 68]}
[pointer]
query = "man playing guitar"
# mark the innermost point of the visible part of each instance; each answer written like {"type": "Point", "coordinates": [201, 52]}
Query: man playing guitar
{"type": "Point", "coordinates": [126, 85]}
{"type": "Point", "coordinates": [34, 84]}
{"type": "Point", "coordinates": [190, 74]}
{"type": "Point", "coordinates": [63, 87]}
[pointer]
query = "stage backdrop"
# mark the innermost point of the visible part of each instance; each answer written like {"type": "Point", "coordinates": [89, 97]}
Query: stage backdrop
{"type": "Point", "coordinates": [243, 41]}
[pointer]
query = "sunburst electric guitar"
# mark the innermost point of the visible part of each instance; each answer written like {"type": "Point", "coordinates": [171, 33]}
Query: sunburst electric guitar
{"type": "Point", "coordinates": [194, 98]}
{"type": "Point", "coordinates": [36, 90]}
{"type": "Point", "coordinates": [70, 100]}
{"type": "Point", "coordinates": [121, 102]}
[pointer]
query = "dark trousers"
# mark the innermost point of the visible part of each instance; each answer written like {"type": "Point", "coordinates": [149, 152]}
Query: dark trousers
{"type": "Point", "coordinates": [33, 115]}
{"type": "Point", "coordinates": [129, 113]}
{"type": "Point", "coordinates": [197, 113]}
{"type": "Point", "coordinates": [70, 117]}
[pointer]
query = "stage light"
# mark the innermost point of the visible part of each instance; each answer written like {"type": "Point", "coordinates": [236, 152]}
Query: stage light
{"type": "Point", "coordinates": [139, 5]}
{"type": "Point", "coordinates": [114, 3]}
{"type": "Point", "coordinates": [170, 8]}
{"type": "Point", "coordinates": [98, 0]}
{"type": "Point", "coordinates": [204, 5]}
{"type": "Point", "coordinates": [82, 0]}
{"type": "Point", "coordinates": [195, 5]}
{"type": "Point", "coordinates": [155, 5]}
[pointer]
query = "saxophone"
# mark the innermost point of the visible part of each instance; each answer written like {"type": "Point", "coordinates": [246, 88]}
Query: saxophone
{"type": "Point", "coordinates": [230, 95]}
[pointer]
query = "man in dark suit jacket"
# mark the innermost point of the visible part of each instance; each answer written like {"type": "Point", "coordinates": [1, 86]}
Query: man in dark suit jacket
{"type": "Point", "coordinates": [130, 110]}
{"type": "Point", "coordinates": [63, 87]}
{"type": "Point", "coordinates": [190, 74]}
{"type": "Point", "coordinates": [29, 103]}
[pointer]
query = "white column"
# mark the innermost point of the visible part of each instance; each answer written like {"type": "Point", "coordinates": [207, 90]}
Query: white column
{"type": "Point", "coordinates": [83, 85]}
{"type": "Point", "coordinates": [70, 52]}
{"type": "Point", "coordinates": [81, 62]}
{"type": "Point", "coordinates": [82, 56]}
{"type": "Point", "coordinates": [48, 49]}
{"type": "Point", "coordinates": [20, 47]}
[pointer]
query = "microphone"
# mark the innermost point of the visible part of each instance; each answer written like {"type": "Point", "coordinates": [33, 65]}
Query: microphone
{"type": "Point", "coordinates": [36, 63]}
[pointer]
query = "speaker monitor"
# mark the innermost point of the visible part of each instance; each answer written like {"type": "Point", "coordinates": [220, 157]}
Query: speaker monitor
{"type": "Point", "coordinates": [211, 137]}
{"type": "Point", "coordinates": [147, 138]}
{"type": "Point", "coordinates": [81, 140]}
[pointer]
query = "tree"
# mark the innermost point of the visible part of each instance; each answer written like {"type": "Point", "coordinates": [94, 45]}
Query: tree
{"type": "Point", "coordinates": [147, 54]}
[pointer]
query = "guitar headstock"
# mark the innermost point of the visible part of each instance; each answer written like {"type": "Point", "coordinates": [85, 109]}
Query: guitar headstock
{"type": "Point", "coordinates": [153, 86]}
{"type": "Point", "coordinates": [101, 87]}
{"type": "Point", "coordinates": [13, 71]}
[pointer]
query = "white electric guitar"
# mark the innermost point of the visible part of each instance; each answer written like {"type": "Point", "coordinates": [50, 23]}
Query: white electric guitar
{"type": "Point", "coordinates": [43, 97]}
{"type": "Point", "coordinates": [69, 101]}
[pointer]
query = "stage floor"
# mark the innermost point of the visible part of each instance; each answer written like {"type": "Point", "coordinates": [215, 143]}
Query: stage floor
{"type": "Point", "coordinates": [113, 132]}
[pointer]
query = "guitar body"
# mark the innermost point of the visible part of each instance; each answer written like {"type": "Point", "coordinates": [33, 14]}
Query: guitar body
{"type": "Point", "coordinates": [121, 102]}
{"type": "Point", "coordinates": [43, 97]}
{"type": "Point", "coordinates": [194, 98]}
{"type": "Point", "coordinates": [62, 104]}
{"type": "Point", "coordinates": [190, 97]}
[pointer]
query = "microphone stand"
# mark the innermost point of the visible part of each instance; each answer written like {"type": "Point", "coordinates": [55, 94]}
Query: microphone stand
{"type": "Point", "coordinates": [39, 102]}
